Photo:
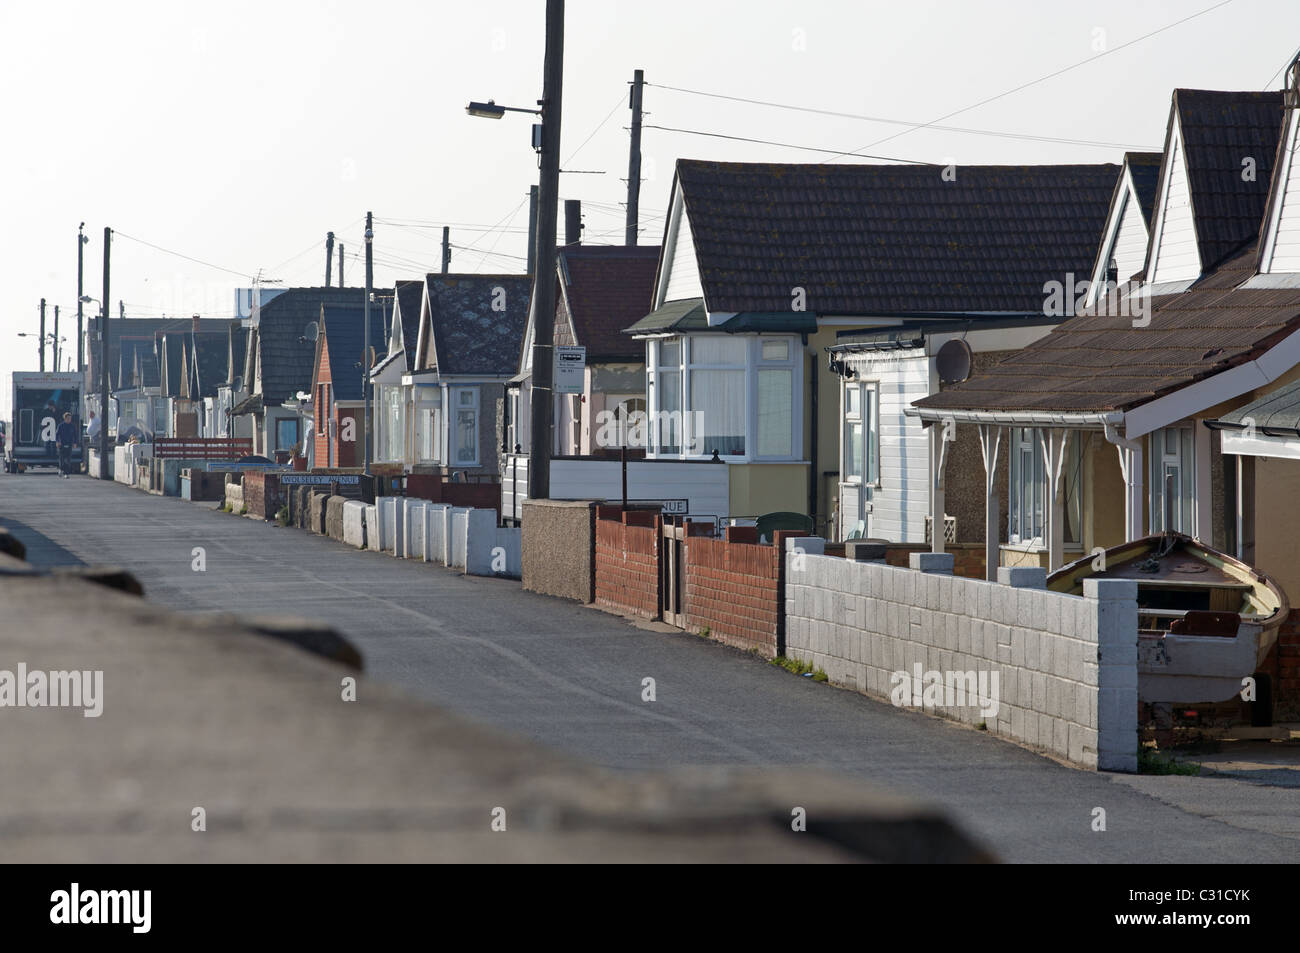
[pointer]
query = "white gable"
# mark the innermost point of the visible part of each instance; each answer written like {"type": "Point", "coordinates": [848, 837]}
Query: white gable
{"type": "Point", "coordinates": [1281, 252]}
{"type": "Point", "coordinates": [681, 277]}
{"type": "Point", "coordinates": [1174, 255]}
{"type": "Point", "coordinates": [1124, 240]}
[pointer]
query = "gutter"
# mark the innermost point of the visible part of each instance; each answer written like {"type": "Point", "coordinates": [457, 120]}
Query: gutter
{"type": "Point", "coordinates": [1025, 418]}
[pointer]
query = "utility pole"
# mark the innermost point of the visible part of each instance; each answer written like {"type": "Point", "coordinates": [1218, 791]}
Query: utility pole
{"type": "Point", "coordinates": [103, 360]}
{"type": "Point", "coordinates": [365, 339]}
{"type": "Point", "coordinates": [634, 160]}
{"type": "Point", "coordinates": [43, 337]}
{"type": "Point", "coordinates": [446, 249]}
{"type": "Point", "coordinates": [81, 366]}
{"type": "Point", "coordinates": [329, 258]}
{"type": "Point", "coordinates": [532, 229]}
{"type": "Point", "coordinates": [54, 345]}
{"type": "Point", "coordinates": [121, 310]}
{"type": "Point", "coordinates": [539, 463]}
{"type": "Point", "coordinates": [340, 264]}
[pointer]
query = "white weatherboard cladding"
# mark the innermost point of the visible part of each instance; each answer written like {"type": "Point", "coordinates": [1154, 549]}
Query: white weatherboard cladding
{"type": "Point", "coordinates": [901, 502]}
{"type": "Point", "coordinates": [1285, 252]}
{"type": "Point", "coordinates": [684, 270]}
{"type": "Point", "coordinates": [1130, 249]}
{"type": "Point", "coordinates": [1175, 255]}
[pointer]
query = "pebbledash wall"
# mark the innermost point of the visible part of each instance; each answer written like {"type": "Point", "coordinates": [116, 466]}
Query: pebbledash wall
{"type": "Point", "coordinates": [1066, 665]}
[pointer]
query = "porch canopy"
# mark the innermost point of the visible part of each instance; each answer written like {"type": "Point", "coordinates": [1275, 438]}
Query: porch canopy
{"type": "Point", "coordinates": [1131, 366]}
{"type": "Point", "coordinates": [1267, 427]}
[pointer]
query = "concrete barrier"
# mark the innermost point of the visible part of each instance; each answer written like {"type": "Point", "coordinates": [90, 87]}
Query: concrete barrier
{"type": "Point", "coordinates": [415, 529]}
{"type": "Point", "coordinates": [334, 517]}
{"type": "Point", "coordinates": [354, 523]}
{"type": "Point", "coordinates": [373, 532]}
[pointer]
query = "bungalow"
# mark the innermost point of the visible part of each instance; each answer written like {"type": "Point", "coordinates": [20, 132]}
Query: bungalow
{"type": "Point", "coordinates": [445, 415]}
{"type": "Point", "coordinates": [279, 363]}
{"type": "Point", "coordinates": [600, 290]}
{"type": "Point", "coordinates": [767, 268]}
{"type": "Point", "coordinates": [1211, 323]}
{"type": "Point", "coordinates": [338, 385]}
{"type": "Point", "coordinates": [392, 426]}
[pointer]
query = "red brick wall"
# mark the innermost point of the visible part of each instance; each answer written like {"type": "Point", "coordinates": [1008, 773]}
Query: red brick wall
{"type": "Point", "coordinates": [262, 493]}
{"type": "Point", "coordinates": [734, 587]}
{"type": "Point", "coordinates": [433, 487]}
{"type": "Point", "coordinates": [627, 561]}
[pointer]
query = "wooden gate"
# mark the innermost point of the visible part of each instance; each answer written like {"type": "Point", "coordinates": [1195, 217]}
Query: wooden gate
{"type": "Point", "coordinates": [672, 581]}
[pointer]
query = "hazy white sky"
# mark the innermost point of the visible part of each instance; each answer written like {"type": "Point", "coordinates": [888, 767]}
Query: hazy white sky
{"type": "Point", "coordinates": [240, 133]}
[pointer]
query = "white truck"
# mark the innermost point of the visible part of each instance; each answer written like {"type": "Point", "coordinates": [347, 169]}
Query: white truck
{"type": "Point", "coordinates": [40, 399]}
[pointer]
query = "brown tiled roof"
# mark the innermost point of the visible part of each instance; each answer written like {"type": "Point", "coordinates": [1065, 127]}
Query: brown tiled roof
{"type": "Point", "coordinates": [1220, 130]}
{"type": "Point", "coordinates": [608, 288]}
{"type": "Point", "coordinates": [1101, 362]}
{"type": "Point", "coordinates": [888, 239]}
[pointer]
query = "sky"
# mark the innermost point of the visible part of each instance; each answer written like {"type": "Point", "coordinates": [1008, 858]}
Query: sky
{"type": "Point", "coordinates": [238, 134]}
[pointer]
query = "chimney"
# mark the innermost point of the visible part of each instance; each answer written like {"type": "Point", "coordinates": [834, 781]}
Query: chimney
{"type": "Point", "coordinates": [195, 324]}
{"type": "Point", "coordinates": [329, 256]}
{"type": "Point", "coordinates": [572, 222]}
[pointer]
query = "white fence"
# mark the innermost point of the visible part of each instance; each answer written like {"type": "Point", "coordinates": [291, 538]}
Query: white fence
{"type": "Point", "coordinates": [454, 536]}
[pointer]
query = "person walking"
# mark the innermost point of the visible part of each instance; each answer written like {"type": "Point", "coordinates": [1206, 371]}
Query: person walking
{"type": "Point", "coordinates": [66, 438]}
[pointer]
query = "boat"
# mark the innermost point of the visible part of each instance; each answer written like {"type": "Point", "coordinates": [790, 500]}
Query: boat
{"type": "Point", "coordinates": [1206, 621]}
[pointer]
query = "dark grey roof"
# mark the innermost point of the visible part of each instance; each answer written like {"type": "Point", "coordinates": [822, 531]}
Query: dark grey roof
{"type": "Point", "coordinates": [407, 296]}
{"type": "Point", "coordinates": [1220, 130]}
{"type": "Point", "coordinates": [169, 347]}
{"type": "Point", "coordinates": [1144, 168]}
{"type": "Point", "coordinates": [286, 361]}
{"type": "Point", "coordinates": [1274, 414]}
{"type": "Point", "coordinates": [689, 315]}
{"type": "Point", "coordinates": [343, 329]}
{"type": "Point", "coordinates": [211, 363]}
{"type": "Point", "coordinates": [469, 336]}
{"type": "Point", "coordinates": [888, 239]}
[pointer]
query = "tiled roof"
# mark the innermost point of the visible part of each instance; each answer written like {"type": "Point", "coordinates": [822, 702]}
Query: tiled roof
{"type": "Point", "coordinates": [212, 354]}
{"type": "Point", "coordinates": [1275, 411]}
{"type": "Point", "coordinates": [607, 289]}
{"type": "Point", "coordinates": [169, 346]}
{"type": "Point", "coordinates": [1221, 130]}
{"type": "Point", "coordinates": [286, 361]}
{"type": "Point", "coordinates": [1101, 362]}
{"type": "Point", "coordinates": [408, 295]}
{"type": "Point", "coordinates": [1144, 167]}
{"type": "Point", "coordinates": [469, 337]}
{"type": "Point", "coordinates": [344, 331]}
{"type": "Point", "coordinates": [888, 239]}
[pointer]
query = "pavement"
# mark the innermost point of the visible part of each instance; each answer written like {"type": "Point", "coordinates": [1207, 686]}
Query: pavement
{"type": "Point", "coordinates": [571, 677]}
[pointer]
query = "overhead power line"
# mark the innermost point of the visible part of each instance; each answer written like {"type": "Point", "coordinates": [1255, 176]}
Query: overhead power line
{"type": "Point", "coordinates": [784, 145]}
{"type": "Point", "coordinates": [168, 251]}
{"type": "Point", "coordinates": [1043, 79]}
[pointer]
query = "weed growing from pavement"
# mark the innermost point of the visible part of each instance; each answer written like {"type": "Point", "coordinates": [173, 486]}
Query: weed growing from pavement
{"type": "Point", "coordinates": [796, 667]}
{"type": "Point", "coordinates": [282, 516]}
{"type": "Point", "coordinates": [1152, 761]}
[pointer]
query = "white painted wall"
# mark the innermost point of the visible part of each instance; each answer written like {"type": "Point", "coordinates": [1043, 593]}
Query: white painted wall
{"type": "Point", "coordinates": [683, 279]}
{"type": "Point", "coordinates": [707, 486]}
{"type": "Point", "coordinates": [1284, 254]}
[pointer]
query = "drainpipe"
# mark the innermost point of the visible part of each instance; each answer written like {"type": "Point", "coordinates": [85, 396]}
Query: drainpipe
{"type": "Point", "coordinates": [1130, 464]}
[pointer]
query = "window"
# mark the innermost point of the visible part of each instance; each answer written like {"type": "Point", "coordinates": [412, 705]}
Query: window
{"type": "Point", "coordinates": [286, 433]}
{"type": "Point", "coordinates": [513, 430]}
{"type": "Point", "coordinates": [1029, 489]}
{"type": "Point", "coordinates": [1173, 480]}
{"type": "Point", "coordinates": [861, 434]}
{"type": "Point", "coordinates": [393, 439]}
{"type": "Point", "coordinates": [428, 424]}
{"type": "Point", "coordinates": [160, 417]}
{"type": "Point", "coordinates": [26, 425]}
{"type": "Point", "coordinates": [322, 408]}
{"type": "Point", "coordinates": [465, 438]}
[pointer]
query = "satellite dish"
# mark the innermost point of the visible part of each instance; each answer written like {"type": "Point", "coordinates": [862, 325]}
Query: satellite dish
{"type": "Point", "coordinates": [953, 361]}
{"type": "Point", "coordinates": [312, 331]}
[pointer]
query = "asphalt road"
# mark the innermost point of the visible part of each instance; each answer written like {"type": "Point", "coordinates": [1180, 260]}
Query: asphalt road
{"type": "Point", "coordinates": [571, 677]}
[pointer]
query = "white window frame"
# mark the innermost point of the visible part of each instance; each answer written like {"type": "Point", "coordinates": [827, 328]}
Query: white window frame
{"type": "Point", "coordinates": [453, 424]}
{"type": "Point", "coordinates": [1183, 465]}
{"type": "Point", "coordinates": [753, 363]}
{"type": "Point", "coordinates": [424, 400]}
{"type": "Point", "coordinates": [868, 416]}
{"type": "Point", "coordinates": [1020, 441]}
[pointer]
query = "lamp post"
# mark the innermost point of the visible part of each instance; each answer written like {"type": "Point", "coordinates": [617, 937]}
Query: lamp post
{"type": "Point", "coordinates": [81, 243]}
{"type": "Point", "coordinates": [539, 463]}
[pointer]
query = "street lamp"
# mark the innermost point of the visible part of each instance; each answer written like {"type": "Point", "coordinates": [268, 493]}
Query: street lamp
{"type": "Point", "coordinates": [543, 303]}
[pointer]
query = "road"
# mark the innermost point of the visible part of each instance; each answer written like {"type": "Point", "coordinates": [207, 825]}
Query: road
{"type": "Point", "coordinates": [571, 677]}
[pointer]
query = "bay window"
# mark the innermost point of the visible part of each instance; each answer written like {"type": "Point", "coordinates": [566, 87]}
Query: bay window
{"type": "Point", "coordinates": [735, 395]}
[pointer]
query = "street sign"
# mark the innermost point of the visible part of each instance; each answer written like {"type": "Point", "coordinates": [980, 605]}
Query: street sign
{"type": "Point", "coordinates": [570, 365]}
{"type": "Point", "coordinates": [320, 479]}
{"type": "Point", "coordinates": [668, 507]}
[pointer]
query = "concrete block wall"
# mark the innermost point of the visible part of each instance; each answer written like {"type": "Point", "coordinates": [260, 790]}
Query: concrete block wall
{"type": "Point", "coordinates": [354, 523]}
{"type": "Point", "coordinates": [372, 528]}
{"type": "Point", "coordinates": [457, 537]}
{"type": "Point", "coordinates": [1065, 666]}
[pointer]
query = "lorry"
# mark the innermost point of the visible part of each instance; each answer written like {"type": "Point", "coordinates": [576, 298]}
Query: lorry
{"type": "Point", "coordinates": [40, 399]}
